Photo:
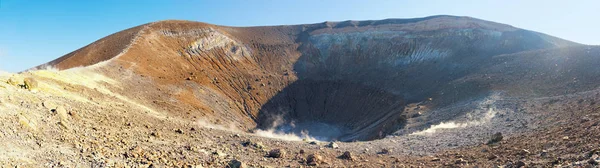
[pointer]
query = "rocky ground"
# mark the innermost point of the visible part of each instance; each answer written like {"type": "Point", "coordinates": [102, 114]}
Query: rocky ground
{"type": "Point", "coordinates": [440, 91]}
{"type": "Point", "coordinates": [59, 119]}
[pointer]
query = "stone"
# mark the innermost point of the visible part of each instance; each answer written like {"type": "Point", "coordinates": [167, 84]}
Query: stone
{"type": "Point", "coordinates": [544, 153]}
{"type": "Point", "coordinates": [435, 159]}
{"type": "Point", "coordinates": [219, 153]}
{"type": "Point", "coordinates": [63, 116]}
{"type": "Point", "coordinates": [73, 114]}
{"type": "Point", "coordinates": [592, 152]}
{"type": "Point", "coordinates": [27, 123]}
{"type": "Point", "coordinates": [460, 161]}
{"type": "Point", "coordinates": [333, 145]}
{"type": "Point", "coordinates": [235, 164]}
{"type": "Point", "coordinates": [520, 164]}
{"type": "Point", "coordinates": [64, 125]}
{"type": "Point", "coordinates": [497, 137]}
{"type": "Point", "coordinates": [249, 142]}
{"type": "Point", "coordinates": [258, 145]}
{"type": "Point", "coordinates": [30, 84]}
{"type": "Point", "coordinates": [277, 153]}
{"type": "Point", "coordinates": [347, 156]}
{"type": "Point", "coordinates": [62, 113]}
{"type": "Point", "coordinates": [155, 134]}
{"type": "Point", "coordinates": [313, 160]}
{"type": "Point", "coordinates": [14, 81]}
{"type": "Point", "coordinates": [50, 105]}
{"type": "Point", "coordinates": [385, 151]}
{"type": "Point", "coordinates": [592, 161]}
{"type": "Point", "coordinates": [524, 152]}
{"type": "Point", "coordinates": [179, 131]}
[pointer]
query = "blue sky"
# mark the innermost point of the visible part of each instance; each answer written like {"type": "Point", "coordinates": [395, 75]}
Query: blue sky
{"type": "Point", "coordinates": [33, 32]}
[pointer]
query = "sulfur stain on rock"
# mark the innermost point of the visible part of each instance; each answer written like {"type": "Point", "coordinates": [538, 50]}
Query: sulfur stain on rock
{"type": "Point", "coordinates": [30, 84]}
{"type": "Point", "coordinates": [27, 123]}
{"type": "Point", "coordinates": [14, 81]}
{"type": "Point", "coordinates": [63, 116]}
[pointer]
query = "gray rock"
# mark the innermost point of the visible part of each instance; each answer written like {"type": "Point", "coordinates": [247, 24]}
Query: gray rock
{"type": "Point", "coordinates": [313, 160]}
{"type": "Point", "coordinates": [333, 145]}
{"type": "Point", "coordinates": [497, 137]}
{"type": "Point", "coordinates": [277, 153]}
{"type": "Point", "coordinates": [592, 161]}
{"type": "Point", "coordinates": [520, 164]}
{"type": "Point", "coordinates": [460, 161]}
{"type": "Point", "coordinates": [347, 156]}
{"type": "Point", "coordinates": [385, 151]}
{"type": "Point", "coordinates": [30, 84]}
{"type": "Point", "coordinates": [235, 164]}
{"type": "Point", "coordinates": [257, 145]}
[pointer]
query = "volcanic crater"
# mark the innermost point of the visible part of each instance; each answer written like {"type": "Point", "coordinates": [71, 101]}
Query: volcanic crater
{"type": "Point", "coordinates": [382, 81]}
{"type": "Point", "coordinates": [346, 81]}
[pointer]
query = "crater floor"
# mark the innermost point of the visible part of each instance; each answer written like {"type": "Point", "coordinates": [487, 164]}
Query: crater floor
{"type": "Point", "coordinates": [424, 92]}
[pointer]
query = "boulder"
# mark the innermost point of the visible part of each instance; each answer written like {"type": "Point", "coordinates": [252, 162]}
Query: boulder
{"type": "Point", "coordinates": [14, 81]}
{"type": "Point", "coordinates": [257, 145]}
{"type": "Point", "coordinates": [333, 145]}
{"type": "Point", "coordinates": [497, 137]}
{"type": "Point", "coordinates": [235, 164]}
{"type": "Point", "coordinates": [313, 160]}
{"type": "Point", "coordinates": [30, 84]}
{"type": "Point", "coordinates": [63, 116]}
{"type": "Point", "coordinates": [520, 164]}
{"type": "Point", "coordinates": [460, 161]}
{"type": "Point", "coordinates": [347, 156]}
{"type": "Point", "coordinates": [277, 153]}
{"type": "Point", "coordinates": [385, 151]}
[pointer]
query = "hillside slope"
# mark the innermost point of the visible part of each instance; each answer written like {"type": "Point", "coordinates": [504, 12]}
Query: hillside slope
{"type": "Point", "coordinates": [425, 82]}
{"type": "Point", "coordinates": [255, 73]}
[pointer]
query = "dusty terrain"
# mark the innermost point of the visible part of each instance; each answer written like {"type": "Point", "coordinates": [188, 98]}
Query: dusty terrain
{"type": "Point", "coordinates": [440, 91]}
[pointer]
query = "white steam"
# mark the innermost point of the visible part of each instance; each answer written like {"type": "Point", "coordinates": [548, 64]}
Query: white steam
{"type": "Point", "coordinates": [284, 136]}
{"type": "Point", "coordinates": [475, 118]}
{"type": "Point", "coordinates": [271, 133]}
{"type": "Point", "coordinates": [450, 125]}
{"type": "Point", "coordinates": [276, 132]}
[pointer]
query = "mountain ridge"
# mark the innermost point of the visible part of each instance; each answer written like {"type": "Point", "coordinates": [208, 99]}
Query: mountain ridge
{"type": "Point", "coordinates": [129, 34]}
{"type": "Point", "coordinates": [427, 92]}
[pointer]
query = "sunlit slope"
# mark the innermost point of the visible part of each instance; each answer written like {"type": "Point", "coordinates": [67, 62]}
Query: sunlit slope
{"type": "Point", "coordinates": [269, 77]}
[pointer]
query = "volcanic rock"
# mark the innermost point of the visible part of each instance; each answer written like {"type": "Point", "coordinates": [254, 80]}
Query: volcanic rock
{"type": "Point", "coordinates": [314, 160]}
{"type": "Point", "coordinates": [277, 153]}
{"type": "Point", "coordinates": [347, 155]}
{"type": "Point", "coordinates": [333, 145]}
{"type": "Point", "coordinates": [385, 151]}
{"type": "Point", "coordinates": [351, 81]}
{"type": "Point", "coordinates": [497, 137]}
{"type": "Point", "coordinates": [235, 164]}
{"type": "Point", "coordinates": [30, 84]}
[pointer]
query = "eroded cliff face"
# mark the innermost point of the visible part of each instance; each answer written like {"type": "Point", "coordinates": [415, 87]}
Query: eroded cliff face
{"type": "Point", "coordinates": [369, 72]}
{"type": "Point", "coordinates": [355, 77]}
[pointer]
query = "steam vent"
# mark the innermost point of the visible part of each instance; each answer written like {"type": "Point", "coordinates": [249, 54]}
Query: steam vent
{"type": "Point", "coordinates": [347, 81]}
{"type": "Point", "coordinates": [411, 86]}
